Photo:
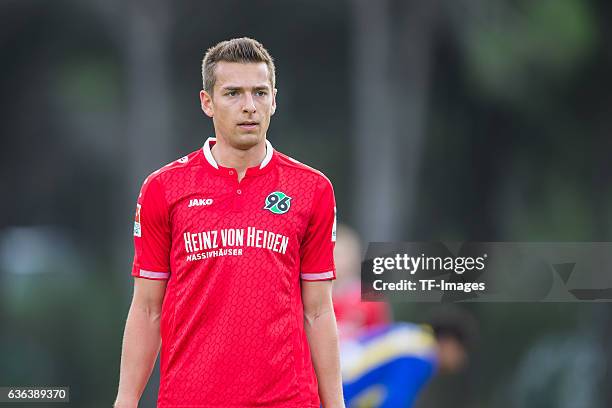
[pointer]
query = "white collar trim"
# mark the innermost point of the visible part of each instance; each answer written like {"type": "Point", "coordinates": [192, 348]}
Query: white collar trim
{"type": "Point", "coordinates": [211, 159]}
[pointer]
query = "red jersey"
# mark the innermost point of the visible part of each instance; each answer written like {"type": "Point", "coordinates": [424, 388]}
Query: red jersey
{"type": "Point", "coordinates": [232, 323]}
{"type": "Point", "coordinates": [355, 316]}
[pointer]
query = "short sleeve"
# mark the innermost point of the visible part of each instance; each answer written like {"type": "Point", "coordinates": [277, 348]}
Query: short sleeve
{"type": "Point", "coordinates": [317, 250]}
{"type": "Point", "coordinates": [151, 233]}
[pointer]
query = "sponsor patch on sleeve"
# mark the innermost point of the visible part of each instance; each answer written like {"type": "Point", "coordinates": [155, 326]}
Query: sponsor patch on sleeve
{"type": "Point", "coordinates": [333, 237]}
{"type": "Point", "coordinates": [137, 230]}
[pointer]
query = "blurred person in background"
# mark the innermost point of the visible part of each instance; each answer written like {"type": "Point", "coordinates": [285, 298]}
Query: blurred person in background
{"type": "Point", "coordinates": [388, 366]}
{"type": "Point", "coordinates": [234, 261]}
{"type": "Point", "coordinates": [353, 315]}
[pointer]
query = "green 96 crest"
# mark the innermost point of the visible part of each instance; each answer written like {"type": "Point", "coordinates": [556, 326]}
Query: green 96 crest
{"type": "Point", "coordinates": [278, 202]}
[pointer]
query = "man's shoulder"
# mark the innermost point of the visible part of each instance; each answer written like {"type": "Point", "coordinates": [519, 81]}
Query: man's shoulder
{"type": "Point", "coordinates": [183, 163]}
{"type": "Point", "coordinates": [293, 164]}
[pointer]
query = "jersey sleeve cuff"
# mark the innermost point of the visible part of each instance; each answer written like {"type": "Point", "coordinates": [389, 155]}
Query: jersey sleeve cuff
{"type": "Point", "coordinates": [148, 274]}
{"type": "Point", "coordinates": [318, 276]}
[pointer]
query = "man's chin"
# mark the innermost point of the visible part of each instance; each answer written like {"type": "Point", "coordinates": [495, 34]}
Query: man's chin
{"type": "Point", "coordinates": [246, 141]}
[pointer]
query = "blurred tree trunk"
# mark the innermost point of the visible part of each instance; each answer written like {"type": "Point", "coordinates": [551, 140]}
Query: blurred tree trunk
{"type": "Point", "coordinates": [412, 64]}
{"type": "Point", "coordinates": [376, 170]}
{"type": "Point", "coordinates": [390, 85]}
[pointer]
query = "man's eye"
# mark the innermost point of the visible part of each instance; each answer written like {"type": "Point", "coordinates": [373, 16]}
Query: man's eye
{"type": "Point", "coordinates": [261, 93]}
{"type": "Point", "coordinates": [232, 93]}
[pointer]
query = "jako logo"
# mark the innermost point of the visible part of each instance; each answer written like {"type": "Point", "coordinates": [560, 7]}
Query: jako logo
{"type": "Point", "coordinates": [197, 202]}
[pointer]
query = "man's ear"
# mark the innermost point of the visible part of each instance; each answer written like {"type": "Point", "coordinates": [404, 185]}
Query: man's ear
{"type": "Point", "coordinates": [274, 101]}
{"type": "Point", "coordinates": [206, 103]}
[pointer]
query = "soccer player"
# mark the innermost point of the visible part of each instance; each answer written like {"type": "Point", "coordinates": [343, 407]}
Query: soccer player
{"type": "Point", "coordinates": [234, 261]}
{"type": "Point", "coordinates": [353, 316]}
{"type": "Point", "coordinates": [389, 366]}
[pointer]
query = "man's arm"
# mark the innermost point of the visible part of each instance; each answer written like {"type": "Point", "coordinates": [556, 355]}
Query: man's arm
{"type": "Point", "coordinates": [141, 341]}
{"type": "Point", "coordinates": [322, 334]}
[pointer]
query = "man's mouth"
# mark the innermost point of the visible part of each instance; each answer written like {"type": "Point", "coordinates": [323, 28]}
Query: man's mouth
{"type": "Point", "coordinates": [248, 124]}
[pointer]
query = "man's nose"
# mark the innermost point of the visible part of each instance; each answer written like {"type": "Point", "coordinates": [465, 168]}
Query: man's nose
{"type": "Point", "coordinates": [249, 103]}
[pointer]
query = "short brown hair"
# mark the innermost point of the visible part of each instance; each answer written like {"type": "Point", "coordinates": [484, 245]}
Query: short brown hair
{"type": "Point", "coordinates": [242, 50]}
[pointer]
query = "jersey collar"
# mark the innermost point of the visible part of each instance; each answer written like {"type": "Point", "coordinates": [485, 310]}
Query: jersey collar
{"type": "Point", "coordinates": [209, 143]}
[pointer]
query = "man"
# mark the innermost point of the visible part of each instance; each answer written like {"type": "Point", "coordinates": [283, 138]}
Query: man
{"type": "Point", "coordinates": [353, 316]}
{"type": "Point", "coordinates": [234, 261]}
{"type": "Point", "coordinates": [389, 366]}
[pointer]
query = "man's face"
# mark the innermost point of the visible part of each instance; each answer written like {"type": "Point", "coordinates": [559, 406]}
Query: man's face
{"type": "Point", "coordinates": [452, 356]}
{"type": "Point", "coordinates": [241, 103]}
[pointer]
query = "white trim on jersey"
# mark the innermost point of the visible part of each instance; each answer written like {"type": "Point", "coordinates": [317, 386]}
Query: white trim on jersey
{"type": "Point", "coordinates": [317, 276]}
{"type": "Point", "coordinates": [211, 159]}
{"type": "Point", "coordinates": [268, 156]}
{"type": "Point", "coordinates": [155, 275]}
{"type": "Point", "coordinates": [208, 153]}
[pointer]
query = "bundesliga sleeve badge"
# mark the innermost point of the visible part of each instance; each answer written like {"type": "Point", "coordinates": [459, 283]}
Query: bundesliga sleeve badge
{"type": "Point", "coordinates": [278, 202]}
{"type": "Point", "coordinates": [137, 232]}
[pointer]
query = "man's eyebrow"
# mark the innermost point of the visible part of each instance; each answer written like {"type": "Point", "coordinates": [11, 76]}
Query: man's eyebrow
{"type": "Point", "coordinates": [237, 87]}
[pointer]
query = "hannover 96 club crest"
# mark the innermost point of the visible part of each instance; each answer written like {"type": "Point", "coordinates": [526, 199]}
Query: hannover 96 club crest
{"type": "Point", "coordinates": [278, 202]}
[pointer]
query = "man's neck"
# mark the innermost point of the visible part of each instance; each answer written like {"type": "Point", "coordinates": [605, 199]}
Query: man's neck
{"type": "Point", "coordinates": [228, 156]}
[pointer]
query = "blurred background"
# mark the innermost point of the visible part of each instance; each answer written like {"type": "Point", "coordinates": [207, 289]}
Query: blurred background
{"type": "Point", "coordinates": [484, 120]}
